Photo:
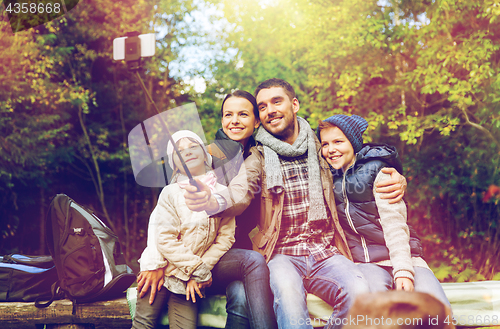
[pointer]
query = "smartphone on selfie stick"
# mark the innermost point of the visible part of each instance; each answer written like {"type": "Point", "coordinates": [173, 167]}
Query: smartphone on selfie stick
{"type": "Point", "coordinates": [132, 48]}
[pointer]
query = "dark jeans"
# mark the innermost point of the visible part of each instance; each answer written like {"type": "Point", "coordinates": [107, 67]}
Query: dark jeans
{"type": "Point", "coordinates": [249, 267]}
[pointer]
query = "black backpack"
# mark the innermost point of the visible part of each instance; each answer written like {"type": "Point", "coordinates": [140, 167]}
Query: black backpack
{"type": "Point", "coordinates": [90, 265]}
{"type": "Point", "coordinates": [25, 278]}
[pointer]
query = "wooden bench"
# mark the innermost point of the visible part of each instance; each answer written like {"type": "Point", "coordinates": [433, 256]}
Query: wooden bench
{"type": "Point", "coordinates": [472, 304]}
{"type": "Point", "coordinates": [98, 315]}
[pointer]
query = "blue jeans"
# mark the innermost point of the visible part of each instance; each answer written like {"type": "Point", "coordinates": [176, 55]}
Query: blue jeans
{"type": "Point", "coordinates": [380, 279]}
{"type": "Point", "coordinates": [336, 280]}
{"type": "Point", "coordinates": [251, 305]}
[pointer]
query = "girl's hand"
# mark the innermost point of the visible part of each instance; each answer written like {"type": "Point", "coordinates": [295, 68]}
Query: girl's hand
{"type": "Point", "coordinates": [200, 200]}
{"type": "Point", "coordinates": [192, 289]}
{"type": "Point", "coordinates": [205, 284]}
{"type": "Point", "coordinates": [150, 279]}
{"type": "Point", "coordinates": [404, 284]}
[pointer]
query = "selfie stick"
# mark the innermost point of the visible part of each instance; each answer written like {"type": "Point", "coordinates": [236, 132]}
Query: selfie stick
{"type": "Point", "coordinates": [134, 65]}
{"type": "Point", "coordinates": [186, 169]}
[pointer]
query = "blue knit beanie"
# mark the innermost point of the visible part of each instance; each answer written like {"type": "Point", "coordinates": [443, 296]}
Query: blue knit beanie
{"type": "Point", "coordinates": [352, 126]}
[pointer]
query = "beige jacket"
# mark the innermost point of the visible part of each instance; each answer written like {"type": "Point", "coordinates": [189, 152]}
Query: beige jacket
{"type": "Point", "coordinates": [189, 243]}
{"type": "Point", "coordinates": [251, 182]}
{"type": "Point", "coordinates": [393, 219]}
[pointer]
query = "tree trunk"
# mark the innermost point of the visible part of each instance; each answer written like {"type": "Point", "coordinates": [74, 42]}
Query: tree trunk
{"type": "Point", "coordinates": [100, 190]}
{"type": "Point", "coordinates": [42, 221]}
{"type": "Point", "coordinates": [134, 223]}
{"type": "Point", "coordinates": [125, 187]}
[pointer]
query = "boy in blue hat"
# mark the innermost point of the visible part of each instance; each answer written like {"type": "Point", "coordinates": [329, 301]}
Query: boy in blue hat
{"type": "Point", "coordinates": [386, 249]}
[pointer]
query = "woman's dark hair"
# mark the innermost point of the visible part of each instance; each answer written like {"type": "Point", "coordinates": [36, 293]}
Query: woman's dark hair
{"type": "Point", "coordinates": [242, 94]}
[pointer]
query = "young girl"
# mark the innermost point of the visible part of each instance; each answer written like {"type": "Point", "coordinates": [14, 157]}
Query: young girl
{"type": "Point", "coordinates": [241, 274]}
{"type": "Point", "coordinates": [187, 244]}
{"type": "Point", "coordinates": [376, 231]}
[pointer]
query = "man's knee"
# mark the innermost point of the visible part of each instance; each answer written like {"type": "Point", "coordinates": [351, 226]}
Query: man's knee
{"type": "Point", "coordinates": [358, 285]}
{"type": "Point", "coordinates": [352, 279]}
{"type": "Point", "coordinates": [254, 260]}
{"type": "Point", "coordinates": [286, 285]}
{"type": "Point", "coordinates": [282, 268]}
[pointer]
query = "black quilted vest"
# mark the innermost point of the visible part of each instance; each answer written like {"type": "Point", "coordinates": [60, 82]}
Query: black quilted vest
{"type": "Point", "coordinates": [368, 244]}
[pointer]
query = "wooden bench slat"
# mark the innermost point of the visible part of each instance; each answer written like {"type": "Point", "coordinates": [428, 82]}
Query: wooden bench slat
{"type": "Point", "coordinates": [103, 315]}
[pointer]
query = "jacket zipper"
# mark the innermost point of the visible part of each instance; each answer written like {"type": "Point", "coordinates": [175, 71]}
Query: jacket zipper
{"type": "Point", "coordinates": [349, 219]}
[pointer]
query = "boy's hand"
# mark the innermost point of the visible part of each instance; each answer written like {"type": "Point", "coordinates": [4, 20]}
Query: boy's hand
{"type": "Point", "coordinates": [404, 284]}
{"type": "Point", "coordinates": [192, 289]}
{"type": "Point", "coordinates": [394, 188]}
{"type": "Point", "coordinates": [200, 200]}
{"type": "Point", "coordinates": [153, 279]}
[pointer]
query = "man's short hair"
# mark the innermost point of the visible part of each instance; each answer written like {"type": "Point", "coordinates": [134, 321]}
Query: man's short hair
{"type": "Point", "coordinates": [275, 82]}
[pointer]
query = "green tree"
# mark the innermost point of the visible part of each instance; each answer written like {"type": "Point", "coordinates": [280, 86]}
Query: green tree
{"type": "Point", "coordinates": [425, 74]}
{"type": "Point", "coordinates": [72, 107]}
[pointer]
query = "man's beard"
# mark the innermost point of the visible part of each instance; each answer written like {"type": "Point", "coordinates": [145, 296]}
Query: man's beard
{"type": "Point", "coordinates": [289, 129]}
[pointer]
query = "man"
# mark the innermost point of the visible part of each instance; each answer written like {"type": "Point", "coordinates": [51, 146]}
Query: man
{"type": "Point", "coordinates": [298, 231]}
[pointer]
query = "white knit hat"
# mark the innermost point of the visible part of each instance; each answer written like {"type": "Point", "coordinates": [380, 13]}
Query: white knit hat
{"type": "Point", "coordinates": [183, 134]}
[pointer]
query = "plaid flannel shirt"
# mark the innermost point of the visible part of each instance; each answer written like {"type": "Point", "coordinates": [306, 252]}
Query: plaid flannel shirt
{"type": "Point", "coordinates": [296, 237]}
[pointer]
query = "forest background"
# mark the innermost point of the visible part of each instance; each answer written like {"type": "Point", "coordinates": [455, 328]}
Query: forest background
{"type": "Point", "coordinates": [425, 74]}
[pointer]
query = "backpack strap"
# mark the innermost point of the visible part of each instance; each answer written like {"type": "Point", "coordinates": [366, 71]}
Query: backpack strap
{"type": "Point", "coordinates": [56, 293]}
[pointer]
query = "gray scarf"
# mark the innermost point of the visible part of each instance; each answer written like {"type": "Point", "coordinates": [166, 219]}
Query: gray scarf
{"type": "Point", "coordinates": [305, 142]}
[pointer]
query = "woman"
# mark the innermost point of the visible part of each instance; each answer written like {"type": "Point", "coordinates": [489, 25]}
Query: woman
{"type": "Point", "coordinates": [239, 272]}
{"type": "Point", "coordinates": [240, 117]}
{"type": "Point", "coordinates": [245, 269]}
